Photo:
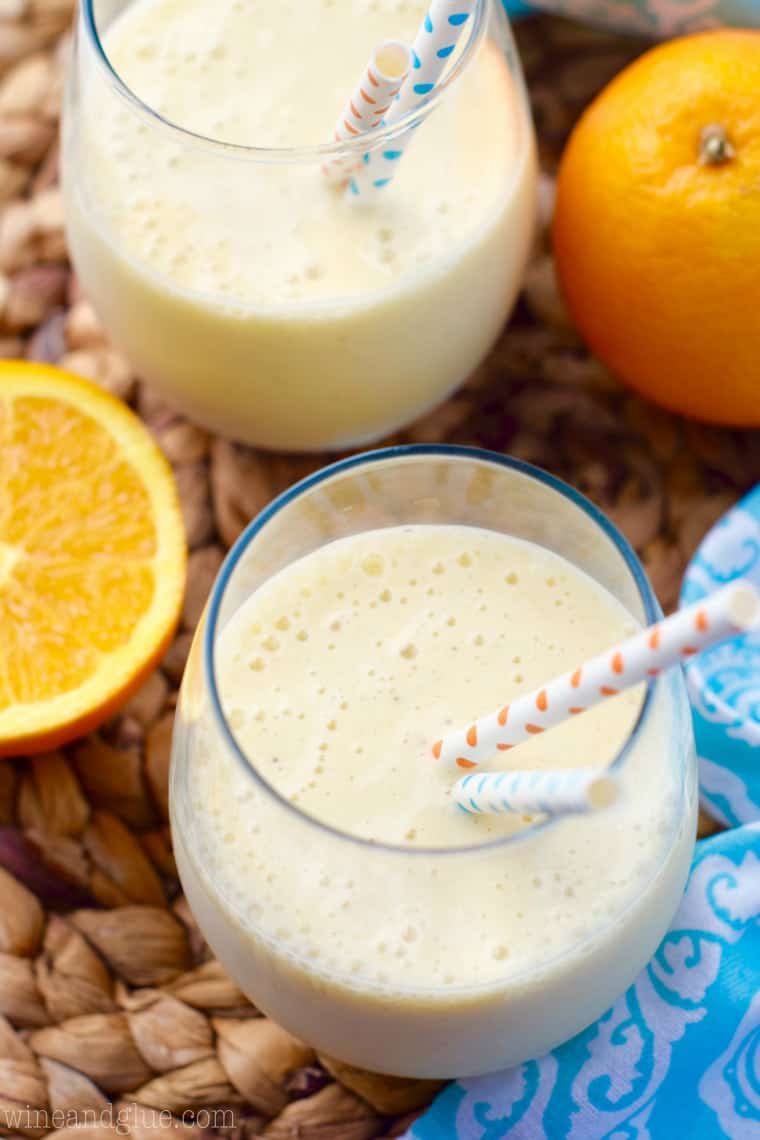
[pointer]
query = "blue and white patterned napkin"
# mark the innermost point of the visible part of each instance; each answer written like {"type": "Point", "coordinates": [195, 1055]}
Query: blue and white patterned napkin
{"type": "Point", "coordinates": [724, 682]}
{"type": "Point", "coordinates": [655, 18]}
{"type": "Point", "coordinates": [676, 1058]}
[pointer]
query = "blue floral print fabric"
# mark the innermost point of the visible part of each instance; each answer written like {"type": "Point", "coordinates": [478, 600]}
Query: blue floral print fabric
{"type": "Point", "coordinates": [676, 1058]}
{"type": "Point", "coordinates": [724, 682]}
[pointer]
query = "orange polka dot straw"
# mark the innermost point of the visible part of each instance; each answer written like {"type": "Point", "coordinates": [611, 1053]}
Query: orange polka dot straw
{"type": "Point", "coordinates": [379, 85]}
{"type": "Point", "coordinates": [729, 611]}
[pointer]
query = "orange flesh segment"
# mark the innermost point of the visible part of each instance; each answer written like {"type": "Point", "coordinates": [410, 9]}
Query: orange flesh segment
{"type": "Point", "coordinates": [80, 556]}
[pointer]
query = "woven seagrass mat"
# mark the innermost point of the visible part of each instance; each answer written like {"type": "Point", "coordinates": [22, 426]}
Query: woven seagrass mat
{"type": "Point", "coordinates": [108, 994]}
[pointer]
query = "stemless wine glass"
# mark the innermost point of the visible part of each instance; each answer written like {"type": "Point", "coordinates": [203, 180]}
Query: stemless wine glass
{"type": "Point", "coordinates": [328, 331]}
{"type": "Point", "coordinates": [250, 860]}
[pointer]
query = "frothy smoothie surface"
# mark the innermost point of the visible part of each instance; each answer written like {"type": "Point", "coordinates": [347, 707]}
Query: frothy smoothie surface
{"type": "Point", "coordinates": [219, 52]}
{"type": "Point", "coordinates": [264, 74]}
{"type": "Point", "coordinates": [264, 302]}
{"type": "Point", "coordinates": [338, 673]}
{"type": "Point", "coordinates": [335, 676]}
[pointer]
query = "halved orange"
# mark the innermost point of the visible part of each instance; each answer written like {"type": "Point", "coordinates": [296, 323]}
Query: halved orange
{"type": "Point", "coordinates": [92, 556]}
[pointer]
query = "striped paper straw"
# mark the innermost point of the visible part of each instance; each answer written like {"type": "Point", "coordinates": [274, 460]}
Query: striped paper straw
{"type": "Point", "coordinates": [381, 80]}
{"type": "Point", "coordinates": [537, 793]}
{"type": "Point", "coordinates": [435, 43]}
{"type": "Point", "coordinates": [729, 611]}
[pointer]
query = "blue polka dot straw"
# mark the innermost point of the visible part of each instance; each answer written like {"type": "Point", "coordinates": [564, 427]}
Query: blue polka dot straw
{"type": "Point", "coordinates": [538, 792]}
{"type": "Point", "coordinates": [436, 42]}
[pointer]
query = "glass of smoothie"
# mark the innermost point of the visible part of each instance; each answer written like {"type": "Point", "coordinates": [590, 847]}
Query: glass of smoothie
{"type": "Point", "coordinates": [373, 606]}
{"type": "Point", "coordinates": [263, 301]}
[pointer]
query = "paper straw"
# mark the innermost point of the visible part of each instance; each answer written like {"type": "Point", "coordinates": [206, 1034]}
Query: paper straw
{"type": "Point", "coordinates": [537, 792]}
{"type": "Point", "coordinates": [379, 85]}
{"type": "Point", "coordinates": [436, 42]}
{"type": "Point", "coordinates": [729, 611]}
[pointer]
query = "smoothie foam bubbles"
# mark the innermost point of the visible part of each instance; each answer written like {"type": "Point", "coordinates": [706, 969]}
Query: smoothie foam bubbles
{"type": "Point", "coordinates": [334, 677]}
{"type": "Point", "coordinates": [261, 300]}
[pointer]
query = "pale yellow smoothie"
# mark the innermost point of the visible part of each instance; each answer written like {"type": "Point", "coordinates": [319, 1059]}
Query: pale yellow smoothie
{"type": "Point", "coordinates": [264, 302]}
{"type": "Point", "coordinates": [335, 676]}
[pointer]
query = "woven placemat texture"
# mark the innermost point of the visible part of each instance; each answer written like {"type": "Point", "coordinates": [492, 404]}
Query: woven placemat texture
{"type": "Point", "coordinates": [116, 1019]}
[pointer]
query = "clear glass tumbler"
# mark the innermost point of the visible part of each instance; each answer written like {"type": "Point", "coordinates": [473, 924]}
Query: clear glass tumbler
{"type": "Point", "coordinates": [269, 306]}
{"type": "Point", "coordinates": [322, 994]}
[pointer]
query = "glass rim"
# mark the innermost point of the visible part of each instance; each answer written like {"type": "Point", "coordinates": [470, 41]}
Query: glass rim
{"type": "Point", "coordinates": [645, 592]}
{"type": "Point", "coordinates": [318, 152]}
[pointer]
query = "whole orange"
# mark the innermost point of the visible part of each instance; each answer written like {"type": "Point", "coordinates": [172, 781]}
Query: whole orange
{"type": "Point", "coordinates": [657, 228]}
